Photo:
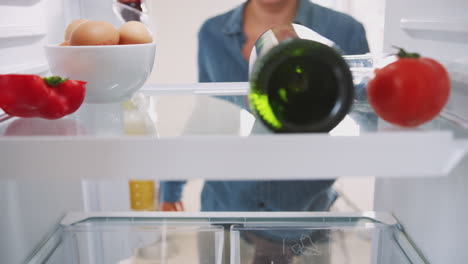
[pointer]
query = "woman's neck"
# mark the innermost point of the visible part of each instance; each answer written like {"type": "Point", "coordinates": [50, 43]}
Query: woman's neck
{"type": "Point", "coordinates": [270, 13]}
{"type": "Point", "coordinates": [261, 15]}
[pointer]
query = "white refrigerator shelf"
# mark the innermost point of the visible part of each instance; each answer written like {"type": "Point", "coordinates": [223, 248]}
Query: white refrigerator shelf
{"type": "Point", "coordinates": [233, 158]}
{"type": "Point", "coordinates": [173, 136]}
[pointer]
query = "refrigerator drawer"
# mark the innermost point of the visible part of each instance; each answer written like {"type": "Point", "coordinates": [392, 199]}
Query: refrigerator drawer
{"type": "Point", "coordinates": [264, 237]}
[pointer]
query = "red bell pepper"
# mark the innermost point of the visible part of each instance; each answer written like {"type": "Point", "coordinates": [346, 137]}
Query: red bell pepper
{"type": "Point", "coordinates": [53, 97]}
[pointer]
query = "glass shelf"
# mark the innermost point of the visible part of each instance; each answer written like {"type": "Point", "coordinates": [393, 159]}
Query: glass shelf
{"type": "Point", "coordinates": [180, 132]}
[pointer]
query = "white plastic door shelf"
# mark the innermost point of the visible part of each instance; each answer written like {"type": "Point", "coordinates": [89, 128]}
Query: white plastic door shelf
{"type": "Point", "coordinates": [24, 29]}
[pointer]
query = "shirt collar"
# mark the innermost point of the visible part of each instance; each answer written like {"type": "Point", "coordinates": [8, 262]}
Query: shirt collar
{"type": "Point", "coordinates": [303, 12]}
{"type": "Point", "coordinates": [234, 22]}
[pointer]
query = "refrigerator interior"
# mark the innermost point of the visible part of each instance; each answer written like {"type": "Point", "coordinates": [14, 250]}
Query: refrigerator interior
{"type": "Point", "coordinates": [130, 133]}
{"type": "Point", "coordinates": [431, 209]}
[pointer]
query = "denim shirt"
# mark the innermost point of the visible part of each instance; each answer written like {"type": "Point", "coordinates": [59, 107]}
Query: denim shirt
{"type": "Point", "coordinates": [220, 60]}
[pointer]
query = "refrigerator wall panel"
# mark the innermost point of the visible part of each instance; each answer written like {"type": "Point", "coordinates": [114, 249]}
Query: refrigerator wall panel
{"type": "Point", "coordinates": [433, 211]}
{"type": "Point", "coordinates": [31, 211]}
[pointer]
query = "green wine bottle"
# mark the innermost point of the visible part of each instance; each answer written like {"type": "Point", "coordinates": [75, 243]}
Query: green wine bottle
{"type": "Point", "coordinates": [298, 84]}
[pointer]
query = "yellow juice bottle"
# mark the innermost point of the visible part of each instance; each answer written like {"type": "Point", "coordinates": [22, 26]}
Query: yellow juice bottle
{"type": "Point", "coordinates": [142, 195]}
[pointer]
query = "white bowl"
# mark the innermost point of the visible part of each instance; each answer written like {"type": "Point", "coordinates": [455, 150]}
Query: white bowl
{"type": "Point", "coordinates": [113, 73]}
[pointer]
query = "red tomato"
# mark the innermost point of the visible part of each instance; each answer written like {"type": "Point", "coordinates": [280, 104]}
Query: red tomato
{"type": "Point", "coordinates": [410, 91]}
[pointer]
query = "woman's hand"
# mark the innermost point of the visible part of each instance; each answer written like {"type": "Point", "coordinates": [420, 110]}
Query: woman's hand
{"type": "Point", "coordinates": [172, 207]}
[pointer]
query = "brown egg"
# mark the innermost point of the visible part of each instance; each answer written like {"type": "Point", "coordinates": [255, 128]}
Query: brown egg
{"type": "Point", "coordinates": [73, 25]}
{"type": "Point", "coordinates": [94, 33]}
{"type": "Point", "coordinates": [65, 43]}
{"type": "Point", "coordinates": [134, 32]}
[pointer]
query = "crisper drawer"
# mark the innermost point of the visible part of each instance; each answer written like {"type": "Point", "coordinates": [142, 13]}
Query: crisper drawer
{"type": "Point", "coordinates": [143, 241]}
{"type": "Point", "coordinates": [262, 237]}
